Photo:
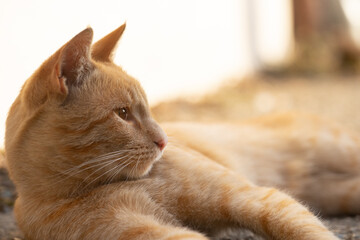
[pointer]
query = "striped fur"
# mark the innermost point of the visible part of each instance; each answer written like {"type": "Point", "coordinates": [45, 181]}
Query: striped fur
{"type": "Point", "coordinates": [83, 171]}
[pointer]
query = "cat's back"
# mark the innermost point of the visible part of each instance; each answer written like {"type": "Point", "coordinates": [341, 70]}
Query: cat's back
{"type": "Point", "coordinates": [267, 147]}
{"type": "Point", "coordinates": [286, 127]}
{"type": "Point", "coordinates": [275, 129]}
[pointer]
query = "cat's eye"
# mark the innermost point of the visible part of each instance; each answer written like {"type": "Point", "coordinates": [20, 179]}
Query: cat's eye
{"type": "Point", "coordinates": [123, 113]}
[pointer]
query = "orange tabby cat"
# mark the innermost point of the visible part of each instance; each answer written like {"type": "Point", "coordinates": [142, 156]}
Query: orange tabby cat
{"type": "Point", "coordinates": [86, 158]}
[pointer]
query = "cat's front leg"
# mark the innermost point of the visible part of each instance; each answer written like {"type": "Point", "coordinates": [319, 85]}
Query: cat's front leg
{"type": "Point", "coordinates": [113, 212]}
{"type": "Point", "coordinates": [207, 196]}
{"type": "Point", "coordinates": [271, 213]}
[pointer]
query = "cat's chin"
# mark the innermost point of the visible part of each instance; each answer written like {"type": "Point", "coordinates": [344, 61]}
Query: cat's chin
{"type": "Point", "coordinates": [144, 169]}
{"type": "Point", "coordinates": [158, 157]}
{"type": "Point", "coordinates": [148, 168]}
{"type": "Point", "coordinates": [139, 173]}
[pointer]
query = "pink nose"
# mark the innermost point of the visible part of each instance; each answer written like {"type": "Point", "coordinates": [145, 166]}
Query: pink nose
{"type": "Point", "coordinates": [161, 143]}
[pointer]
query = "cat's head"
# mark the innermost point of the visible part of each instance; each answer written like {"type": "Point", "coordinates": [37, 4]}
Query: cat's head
{"type": "Point", "coordinates": [81, 120]}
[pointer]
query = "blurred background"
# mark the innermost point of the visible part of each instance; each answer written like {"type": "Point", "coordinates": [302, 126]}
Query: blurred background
{"type": "Point", "coordinates": [203, 59]}
{"type": "Point", "coordinates": [200, 60]}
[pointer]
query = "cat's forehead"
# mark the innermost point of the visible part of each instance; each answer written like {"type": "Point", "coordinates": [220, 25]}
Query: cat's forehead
{"type": "Point", "coordinates": [113, 79]}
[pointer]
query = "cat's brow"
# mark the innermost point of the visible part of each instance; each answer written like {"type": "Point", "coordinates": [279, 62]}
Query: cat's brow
{"type": "Point", "coordinates": [141, 109]}
{"type": "Point", "coordinates": [133, 94]}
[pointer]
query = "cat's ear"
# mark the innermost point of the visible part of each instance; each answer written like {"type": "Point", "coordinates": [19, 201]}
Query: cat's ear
{"type": "Point", "coordinates": [103, 50]}
{"type": "Point", "coordinates": [74, 63]}
{"type": "Point", "coordinates": [66, 68]}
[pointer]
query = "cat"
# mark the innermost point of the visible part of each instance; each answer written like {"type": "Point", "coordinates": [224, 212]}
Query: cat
{"type": "Point", "coordinates": [89, 161]}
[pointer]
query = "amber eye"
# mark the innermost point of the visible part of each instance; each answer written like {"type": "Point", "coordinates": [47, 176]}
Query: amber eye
{"type": "Point", "coordinates": [123, 113]}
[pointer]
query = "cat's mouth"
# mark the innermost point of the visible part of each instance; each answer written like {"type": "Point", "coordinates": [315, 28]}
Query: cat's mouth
{"type": "Point", "coordinates": [141, 164]}
{"type": "Point", "coordinates": [153, 157]}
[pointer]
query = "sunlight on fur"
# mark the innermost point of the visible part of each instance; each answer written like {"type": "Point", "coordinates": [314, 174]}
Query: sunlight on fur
{"type": "Point", "coordinates": [89, 161]}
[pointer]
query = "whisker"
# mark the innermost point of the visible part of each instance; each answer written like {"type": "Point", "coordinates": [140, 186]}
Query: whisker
{"type": "Point", "coordinates": [105, 160]}
{"type": "Point", "coordinates": [107, 164]}
{"type": "Point", "coordinates": [122, 165]}
{"type": "Point", "coordinates": [94, 180]}
{"type": "Point", "coordinates": [110, 178]}
{"type": "Point", "coordinates": [115, 173]}
{"type": "Point", "coordinates": [104, 156]}
{"type": "Point", "coordinates": [133, 168]}
{"type": "Point", "coordinates": [77, 169]}
{"type": "Point", "coordinates": [96, 159]}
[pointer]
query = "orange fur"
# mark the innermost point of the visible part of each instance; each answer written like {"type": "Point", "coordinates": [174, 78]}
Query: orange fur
{"type": "Point", "coordinates": [87, 161]}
